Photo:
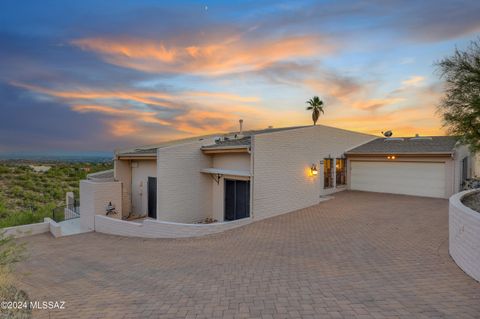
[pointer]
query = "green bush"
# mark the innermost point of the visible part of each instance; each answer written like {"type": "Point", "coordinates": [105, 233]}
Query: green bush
{"type": "Point", "coordinates": [22, 190]}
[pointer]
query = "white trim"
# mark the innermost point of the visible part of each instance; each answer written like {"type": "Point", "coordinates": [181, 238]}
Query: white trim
{"type": "Point", "coordinates": [226, 172]}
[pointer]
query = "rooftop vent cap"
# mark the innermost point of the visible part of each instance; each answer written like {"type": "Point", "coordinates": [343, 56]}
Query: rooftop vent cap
{"type": "Point", "coordinates": [388, 133]}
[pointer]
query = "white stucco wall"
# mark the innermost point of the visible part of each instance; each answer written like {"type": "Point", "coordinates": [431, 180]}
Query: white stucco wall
{"type": "Point", "coordinates": [141, 170]}
{"type": "Point", "coordinates": [161, 229]}
{"type": "Point", "coordinates": [281, 162]}
{"type": "Point", "coordinates": [464, 235]}
{"type": "Point", "coordinates": [48, 225]}
{"type": "Point", "coordinates": [231, 161]}
{"type": "Point", "coordinates": [94, 198]}
{"type": "Point", "coordinates": [184, 193]}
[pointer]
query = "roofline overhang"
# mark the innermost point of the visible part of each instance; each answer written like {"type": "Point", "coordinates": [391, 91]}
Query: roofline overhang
{"type": "Point", "coordinates": [136, 157]}
{"type": "Point", "coordinates": [226, 149]}
{"type": "Point", "coordinates": [431, 154]}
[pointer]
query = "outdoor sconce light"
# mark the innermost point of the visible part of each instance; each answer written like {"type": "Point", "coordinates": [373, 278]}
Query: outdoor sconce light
{"type": "Point", "coordinates": [314, 170]}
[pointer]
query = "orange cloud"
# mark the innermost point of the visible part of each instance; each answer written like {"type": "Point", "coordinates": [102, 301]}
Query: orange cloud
{"type": "Point", "coordinates": [146, 97]}
{"type": "Point", "coordinates": [147, 117]}
{"type": "Point", "coordinates": [122, 128]}
{"type": "Point", "coordinates": [204, 121]}
{"type": "Point", "coordinates": [374, 104]}
{"type": "Point", "coordinates": [413, 80]}
{"type": "Point", "coordinates": [133, 49]}
{"type": "Point", "coordinates": [231, 55]}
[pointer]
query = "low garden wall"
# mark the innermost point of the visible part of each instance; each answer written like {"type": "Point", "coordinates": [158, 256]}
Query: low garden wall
{"type": "Point", "coordinates": [160, 229]}
{"type": "Point", "coordinates": [464, 235]}
{"type": "Point", "coordinates": [48, 225]}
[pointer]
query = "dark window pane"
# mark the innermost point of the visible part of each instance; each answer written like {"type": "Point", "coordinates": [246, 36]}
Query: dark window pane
{"type": "Point", "coordinates": [229, 200]}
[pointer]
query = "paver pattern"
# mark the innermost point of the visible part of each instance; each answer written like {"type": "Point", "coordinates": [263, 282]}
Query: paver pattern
{"type": "Point", "coordinates": [359, 255]}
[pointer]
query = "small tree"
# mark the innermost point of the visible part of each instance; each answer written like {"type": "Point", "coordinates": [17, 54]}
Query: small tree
{"type": "Point", "coordinates": [316, 106]}
{"type": "Point", "coordinates": [460, 107]}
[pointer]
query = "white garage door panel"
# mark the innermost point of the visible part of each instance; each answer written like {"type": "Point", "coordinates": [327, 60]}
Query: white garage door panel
{"type": "Point", "coordinates": [410, 178]}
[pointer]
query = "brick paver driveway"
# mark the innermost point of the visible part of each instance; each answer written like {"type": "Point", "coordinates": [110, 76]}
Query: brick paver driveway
{"type": "Point", "coordinates": [360, 255]}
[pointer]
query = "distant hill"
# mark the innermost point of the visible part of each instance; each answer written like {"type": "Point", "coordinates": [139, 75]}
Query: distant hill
{"type": "Point", "coordinates": [24, 157]}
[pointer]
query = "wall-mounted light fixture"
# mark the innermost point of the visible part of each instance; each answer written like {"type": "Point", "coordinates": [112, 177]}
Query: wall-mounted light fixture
{"type": "Point", "coordinates": [391, 157]}
{"type": "Point", "coordinates": [314, 169]}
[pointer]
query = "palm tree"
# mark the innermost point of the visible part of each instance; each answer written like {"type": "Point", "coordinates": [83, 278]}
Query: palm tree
{"type": "Point", "coordinates": [316, 106]}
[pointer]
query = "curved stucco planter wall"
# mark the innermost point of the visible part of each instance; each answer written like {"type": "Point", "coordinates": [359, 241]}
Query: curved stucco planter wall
{"type": "Point", "coordinates": [464, 235]}
{"type": "Point", "coordinates": [161, 229]}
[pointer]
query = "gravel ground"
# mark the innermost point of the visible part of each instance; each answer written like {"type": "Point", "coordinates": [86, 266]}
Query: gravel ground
{"type": "Point", "coordinates": [472, 201]}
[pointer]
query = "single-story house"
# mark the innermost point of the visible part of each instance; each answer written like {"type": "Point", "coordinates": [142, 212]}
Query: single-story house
{"type": "Point", "coordinates": [263, 173]}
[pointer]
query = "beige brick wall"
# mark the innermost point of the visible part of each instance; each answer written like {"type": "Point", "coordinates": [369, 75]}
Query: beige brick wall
{"type": "Point", "coordinates": [141, 170]}
{"type": "Point", "coordinates": [184, 193]}
{"type": "Point", "coordinates": [464, 235]}
{"type": "Point", "coordinates": [281, 162]}
{"type": "Point", "coordinates": [233, 161]}
{"type": "Point", "coordinates": [94, 198]}
{"type": "Point", "coordinates": [123, 173]}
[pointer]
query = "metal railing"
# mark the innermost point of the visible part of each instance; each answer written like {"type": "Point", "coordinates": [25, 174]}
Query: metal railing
{"type": "Point", "coordinates": [66, 212]}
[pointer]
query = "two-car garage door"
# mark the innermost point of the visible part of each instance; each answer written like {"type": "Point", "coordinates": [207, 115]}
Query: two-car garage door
{"type": "Point", "coordinates": [410, 178]}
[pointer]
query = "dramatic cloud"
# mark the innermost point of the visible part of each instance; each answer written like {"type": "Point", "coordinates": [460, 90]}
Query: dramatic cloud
{"type": "Point", "coordinates": [235, 54]}
{"type": "Point", "coordinates": [143, 72]}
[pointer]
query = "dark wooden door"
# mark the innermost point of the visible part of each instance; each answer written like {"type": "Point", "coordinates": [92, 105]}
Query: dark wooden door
{"type": "Point", "coordinates": [237, 199]}
{"type": "Point", "coordinates": [152, 197]}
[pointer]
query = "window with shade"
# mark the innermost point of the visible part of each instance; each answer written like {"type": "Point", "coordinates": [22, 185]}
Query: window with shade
{"type": "Point", "coordinates": [340, 171]}
{"type": "Point", "coordinates": [328, 173]}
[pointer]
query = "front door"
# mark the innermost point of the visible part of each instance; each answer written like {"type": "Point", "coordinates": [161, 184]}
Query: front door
{"type": "Point", "coordinates": [237, 199]}
{"type": "Point", "coordinates": [152, 197]}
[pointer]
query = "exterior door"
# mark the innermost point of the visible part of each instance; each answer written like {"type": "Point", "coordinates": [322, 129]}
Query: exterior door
{"type": "Point", "coordinates": [409, 178]}
{"type": "Point", "coordinates": [237, 199]}
{"type": "Point", "coordinates": [152, 197]}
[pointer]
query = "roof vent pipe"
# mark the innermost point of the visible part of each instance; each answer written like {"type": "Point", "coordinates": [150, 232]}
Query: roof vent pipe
{"type": "Point", "coordinates": [241, 127]}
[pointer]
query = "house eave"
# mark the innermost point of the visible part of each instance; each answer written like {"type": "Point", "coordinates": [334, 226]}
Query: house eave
{"type": "Point", "coordinates": [232, 149]}
{"type": "Point", "coordinates": [409, 154]}
{"type": "Point", "coordinates": [137, 157]}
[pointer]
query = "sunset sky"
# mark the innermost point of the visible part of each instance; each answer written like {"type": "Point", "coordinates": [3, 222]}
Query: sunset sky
{"type": "Point", "coordinates": [97, 75]}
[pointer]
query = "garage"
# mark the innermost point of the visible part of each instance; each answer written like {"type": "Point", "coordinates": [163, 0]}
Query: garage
{"type": "Point", "coordinates": [420, 166]}
{"type": "Point", "coordinates": [410, 178]}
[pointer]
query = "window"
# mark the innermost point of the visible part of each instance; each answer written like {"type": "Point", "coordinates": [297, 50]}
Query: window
{"type": "Point", "coordinates": [341, 172]}
{"type": "Point", "coordinates": [328, 173]}
{"type": "Point", "coordinates": [237, 199]}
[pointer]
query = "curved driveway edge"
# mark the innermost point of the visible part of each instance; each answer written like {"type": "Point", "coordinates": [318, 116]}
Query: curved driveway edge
{"type": "Point", "coordinates": [464, 235]}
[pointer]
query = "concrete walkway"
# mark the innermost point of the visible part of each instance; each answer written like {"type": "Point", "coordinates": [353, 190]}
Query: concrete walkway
{"type": "Point", "coordinates": [360, 255]}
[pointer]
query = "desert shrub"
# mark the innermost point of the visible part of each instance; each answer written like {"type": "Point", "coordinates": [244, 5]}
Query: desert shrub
{"type": "Point", "coordinates": [27, 216]}
{"type": "Point", "coordinates": [11, 253]}
{"type": "Point", "coordinates": [4, 170]}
